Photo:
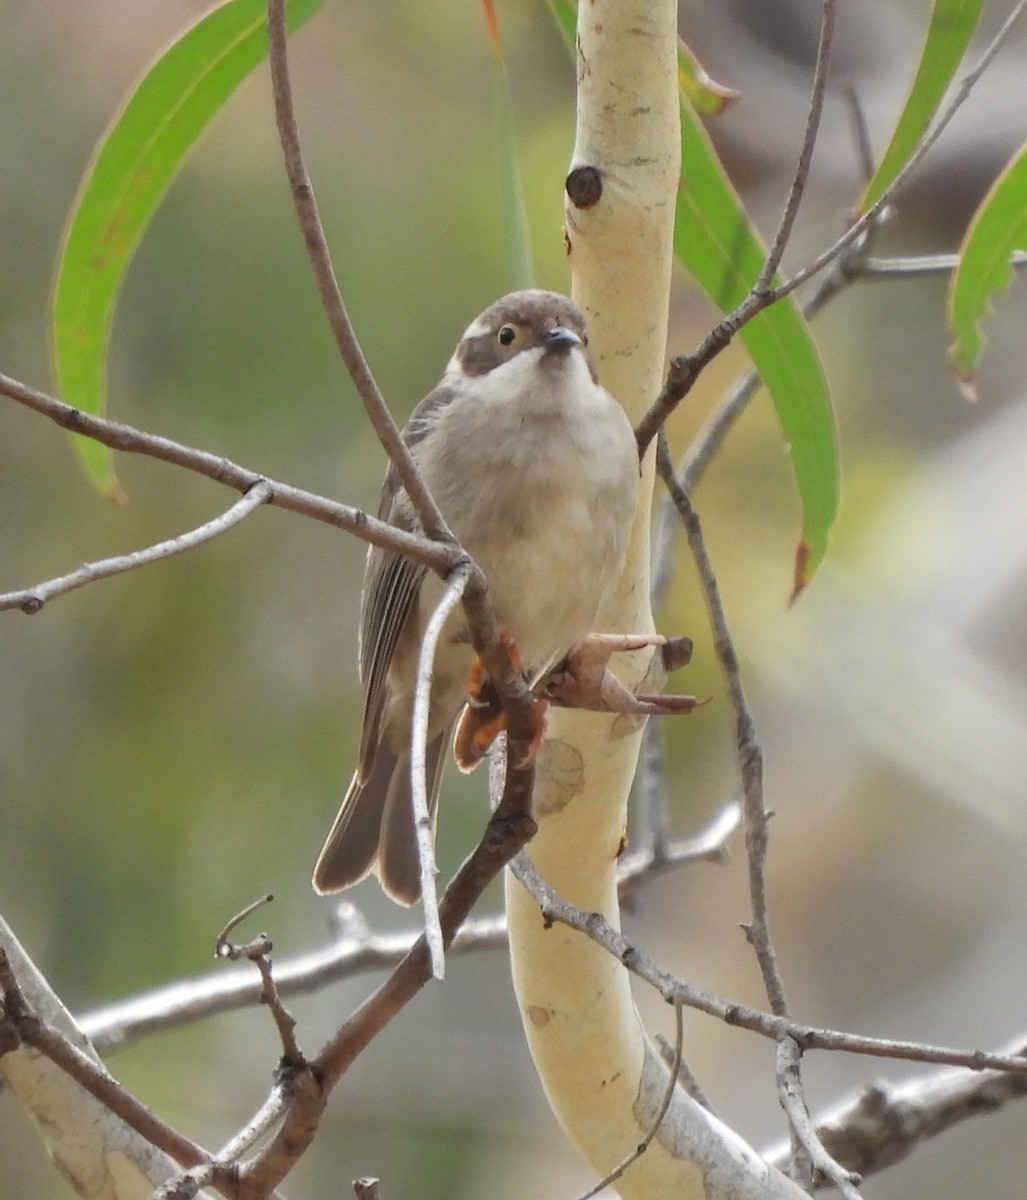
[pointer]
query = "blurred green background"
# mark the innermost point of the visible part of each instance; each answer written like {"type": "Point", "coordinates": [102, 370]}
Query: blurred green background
{"type": "Point", "coordinates": [174, 742]}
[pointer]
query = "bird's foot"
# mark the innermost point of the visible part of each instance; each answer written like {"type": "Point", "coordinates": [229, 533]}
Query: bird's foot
{"type": "Point", "coordinates": [483, 718]}
{"type": "Point", "coordinates": [584, 680]}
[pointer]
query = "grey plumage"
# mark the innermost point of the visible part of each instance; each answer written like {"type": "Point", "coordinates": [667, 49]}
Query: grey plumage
{"type": "Point", "coordinates": [534, 467]}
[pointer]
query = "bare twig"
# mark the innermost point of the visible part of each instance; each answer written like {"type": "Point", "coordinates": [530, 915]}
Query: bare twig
{"type": "Point", "coordinates": [800, 176]}
{"type": "Point", "coordinates": [508, 831]}
{"type": "Point", "coordinates": [884, 1122]}
{"type": "Point", "coordinates": [808, 1037]}
{"type": "Point", "coordinates": [31, 600]}
{"type": "Point", "coordinates": [685, 1077]}
{"type": "Point", "coordinates": [418, 767]}
{"type": "Point", "coordinates": [169, 1007]}
{"type": "Point", "coordinates": [327, 285]}
{"type": "Point", "coordinates": [920, 266]}
{"type": "Point", "coordinates": [685, 370]}
{"type": "Point", "coordinates": [793, 1101]}
{"type": "Point", "coordinates": [750, 755]}
{"type": "Point", "coordinates": [709, 845]}
{"type": "Point", "coordinates": [258, 951]}
{"type": "Point", "coordinates": [661, 1112]}
{"type": "Point", "coordinates": [438, 557]}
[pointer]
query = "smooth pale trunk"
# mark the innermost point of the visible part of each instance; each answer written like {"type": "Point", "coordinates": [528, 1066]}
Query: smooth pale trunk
{"type": "Point", "coordinates": [602, 1080]}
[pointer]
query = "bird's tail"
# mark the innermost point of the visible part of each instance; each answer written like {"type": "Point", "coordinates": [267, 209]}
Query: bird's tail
{"type": "Point", "coordinates": [375, 826]}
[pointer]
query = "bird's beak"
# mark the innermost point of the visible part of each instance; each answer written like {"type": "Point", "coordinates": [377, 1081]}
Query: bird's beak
{"type": "Point", "coordinates": [561, 338]}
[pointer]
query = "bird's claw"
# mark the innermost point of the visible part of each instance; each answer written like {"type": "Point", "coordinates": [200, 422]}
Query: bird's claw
{"type": "Point", "coordinates": [483, 718]}
{"type": "Point", "coordinates": [585, 681]}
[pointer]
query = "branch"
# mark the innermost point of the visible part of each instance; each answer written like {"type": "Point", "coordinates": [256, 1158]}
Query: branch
{"type": "Point", "coordinates": [750, 755]}
{"type": "Point", "coordinates": [884, 1123]}
{"type": "Point", "coordinates": [793, 1101]}
{"type": "Point", "coordinates": [438, 557]}
{"type": "Point", "coordinates": [31, 600]}
{"type": "Point", "coordinates": [685, 370]}
{"type": "Point", "coordinates": [32, 1031]}
{"type": "Point", "coordinates": [809, 141]}
{"type": "Point", "coordinates": [808, 1037]}
{"type": "Point", "coordinates": [355, 951]}
{"type": "Point", "coordinates": [328, 288]}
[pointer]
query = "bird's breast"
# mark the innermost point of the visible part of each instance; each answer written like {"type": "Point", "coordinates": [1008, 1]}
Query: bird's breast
{"type": "Point", "coordinates": [543, 499]}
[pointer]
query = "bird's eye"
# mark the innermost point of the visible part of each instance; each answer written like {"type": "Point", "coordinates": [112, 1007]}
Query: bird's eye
{"type": "Point", "coordinates": [584, 339]}
{"type": "Point", "coordinates": [506, 335]}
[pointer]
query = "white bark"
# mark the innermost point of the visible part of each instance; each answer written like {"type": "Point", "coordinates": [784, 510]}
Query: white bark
{"type": "Point", "coordinates": [100, 1156]}
{"type": "Point", "coordinates": [602, 1080]}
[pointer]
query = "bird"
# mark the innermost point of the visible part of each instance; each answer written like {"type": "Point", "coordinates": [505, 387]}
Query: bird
{"type": "Point", "coordinates": [535, 468]}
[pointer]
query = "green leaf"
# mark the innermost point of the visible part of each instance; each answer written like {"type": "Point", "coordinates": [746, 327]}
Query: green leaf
{"type": "Point", "coordinates": [949, 32]}
{"type": "Point", "coordinates": [998, 228]}
{"type": "Point", "coordinates": [703, 93]}
{"type": "Point", "coordinates": [714, 239]}
{"type": "Point", "coordinates": [130, 172]}
{"type": "Point", "coordinates": [515, 210]}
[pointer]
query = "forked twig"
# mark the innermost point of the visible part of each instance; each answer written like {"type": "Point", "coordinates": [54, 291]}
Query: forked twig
{"type": "Point", "coordinates": [793, 1101]}
{"type": "Point", "coordinates": [685, 370]}
{"type": "Point", "coordinates": [808, 1037]}
{"type": "Point", "coordinates": [437, 556]}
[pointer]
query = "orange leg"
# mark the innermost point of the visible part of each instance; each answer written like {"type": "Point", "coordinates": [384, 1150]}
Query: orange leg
{"type": "Point", "coordinates": [483, 719]}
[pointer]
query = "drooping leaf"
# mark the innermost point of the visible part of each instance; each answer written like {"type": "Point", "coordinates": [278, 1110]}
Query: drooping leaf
{"type": "Point", "coordinates": [703, 93]}
{"type": "Point", "coordinates": [515, 210]}
{"type": "Point", "coordinates": [717, 244]}
{"type": "Point", "coordinates": [949, 32]}
{"type": "Point", "coordinates": [130, 172]}
{"type": "Point", "coordinates": [998, 228]}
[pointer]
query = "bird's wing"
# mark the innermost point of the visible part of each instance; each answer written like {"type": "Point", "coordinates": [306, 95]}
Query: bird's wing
{"type": "Point", "coordinates": [391, 585]}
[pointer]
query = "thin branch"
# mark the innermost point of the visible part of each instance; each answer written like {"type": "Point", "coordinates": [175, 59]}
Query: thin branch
{"type": "Point", "coordinates": [709, 845]}
{"type": "Point", "coordinates": [438, 557]}
{"type": "Point", "coordinates": [177, 1004]}
{"type": "Point", "coordinates": [509, 830]}
{"type": "Point", "coordinates": [884, 1122]}
{"type": "Point", "coordinates": [355, 952]}
{"type": "Point", "coordinates": [31, 600]}
{"type": "Point", "coordinates": [809, 1037]}
{"type": "Point", "coordinates": [920, 151]}
{"type": "Point", "coordinates": [685, 370]}
{"type": "Point", "coordinates": [35, 1033]}
{"type": "Point", "coordinates": [258, 951]}
{"type": "Point", "coordinates": [327, 285]}
{"type": "Point", "coordinates": [418, 767]}
{"type": "Point", "coordinates": [668, 1096]}
{"type": "Point", "coordinates": [685, 1077]}
{"type": "Point", "coordinates": [800, 176]}
{"type": "Point", "coordinates": [793, 1101]}
{"type": "Point", "coordinates": [920, 266]}
{"type": "Point", "coordinates": [750, 755]}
